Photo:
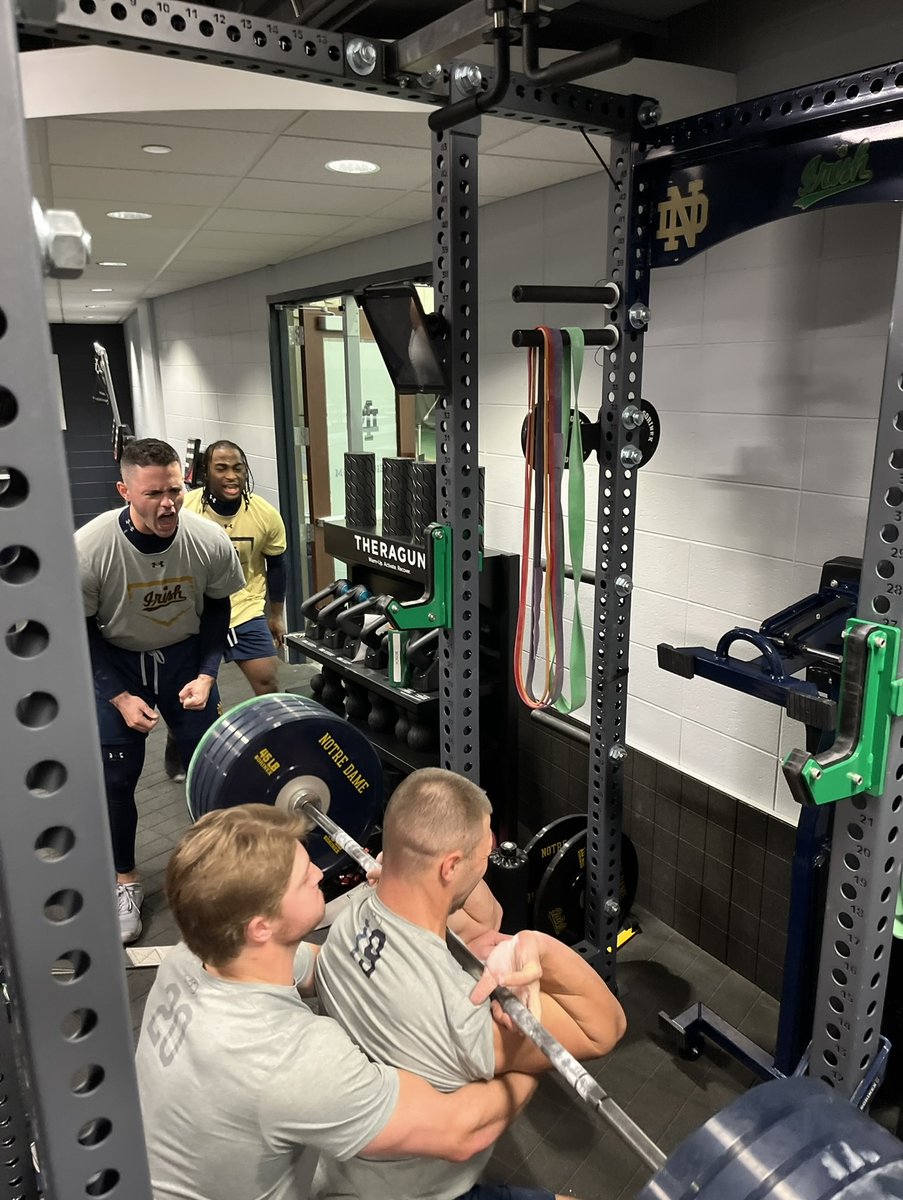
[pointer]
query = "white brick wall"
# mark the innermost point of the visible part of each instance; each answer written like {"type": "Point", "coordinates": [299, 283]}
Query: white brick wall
{"type": "Point", "coordinates": [765, 363]}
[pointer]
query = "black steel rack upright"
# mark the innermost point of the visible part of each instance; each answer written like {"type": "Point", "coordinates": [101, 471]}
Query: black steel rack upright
{"type": "Point", "coordinates": [45, 655]}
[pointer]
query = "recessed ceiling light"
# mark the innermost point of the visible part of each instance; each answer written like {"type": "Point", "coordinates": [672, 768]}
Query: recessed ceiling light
{"type": "Point", "coordinates": [125, 214]}
{"type": "Point", "coordinates": [154, 148]}
{"type": "Point", "coordinates": [352, 166]}
{"type": "Point", "coordinates": [101, 289]}
{"type": "Point", "coordinates": [112, 264]}
{"type": "Point", "coordinates": [95, 306]}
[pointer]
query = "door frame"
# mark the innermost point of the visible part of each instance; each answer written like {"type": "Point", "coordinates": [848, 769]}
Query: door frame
{"type": "Point", "coordinates": [283, 417]}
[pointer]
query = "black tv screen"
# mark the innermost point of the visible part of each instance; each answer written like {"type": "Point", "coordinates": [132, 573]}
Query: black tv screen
{"type": "Point", "coordinates": [402, 331]}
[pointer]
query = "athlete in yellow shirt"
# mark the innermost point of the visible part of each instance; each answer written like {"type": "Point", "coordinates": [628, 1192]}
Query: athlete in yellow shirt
{"type": "Point", "coordinates": [257, 531]}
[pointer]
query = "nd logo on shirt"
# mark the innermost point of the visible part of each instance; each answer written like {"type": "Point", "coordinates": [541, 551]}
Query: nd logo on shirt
{"type": "Point", "coordinates": [163, 601]}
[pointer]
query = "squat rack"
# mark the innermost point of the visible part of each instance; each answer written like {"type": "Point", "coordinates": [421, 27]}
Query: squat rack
{"type": "Point", "coordinates": [71, 1038]}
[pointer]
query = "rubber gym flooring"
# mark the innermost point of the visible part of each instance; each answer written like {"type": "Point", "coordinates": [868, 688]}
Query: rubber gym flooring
{"type": "Point", "coordinates": [557, 1142]}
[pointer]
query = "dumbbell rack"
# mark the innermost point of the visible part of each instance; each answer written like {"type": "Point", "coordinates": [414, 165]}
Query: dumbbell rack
{"type": "Point", "coordinates": [498, 604]}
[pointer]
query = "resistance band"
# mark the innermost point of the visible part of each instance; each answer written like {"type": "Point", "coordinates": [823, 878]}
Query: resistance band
{"type": "Point", "coordinates": [553, 435]}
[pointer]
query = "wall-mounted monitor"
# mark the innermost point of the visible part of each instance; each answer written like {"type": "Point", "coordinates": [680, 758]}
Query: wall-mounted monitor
{"type": "Point", "coordinates": [409, 340]}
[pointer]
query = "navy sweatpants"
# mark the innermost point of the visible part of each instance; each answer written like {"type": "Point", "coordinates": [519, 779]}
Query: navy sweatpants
{"type": "Point", "coordinates": [157, 676]}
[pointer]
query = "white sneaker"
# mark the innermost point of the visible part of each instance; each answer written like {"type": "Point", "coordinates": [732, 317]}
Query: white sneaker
{"type": "Point", "coordinates": [129, 898]}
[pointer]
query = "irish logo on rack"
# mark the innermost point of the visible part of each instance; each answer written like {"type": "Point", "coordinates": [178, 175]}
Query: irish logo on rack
{"type": "Point", "coordinates": [682, 216]}
{"type": "Point", "coordinates": [821, 179]}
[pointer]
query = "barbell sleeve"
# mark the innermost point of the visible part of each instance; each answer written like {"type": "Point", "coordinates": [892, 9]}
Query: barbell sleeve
{"type": "Point", "coordinates": [586, 1087]}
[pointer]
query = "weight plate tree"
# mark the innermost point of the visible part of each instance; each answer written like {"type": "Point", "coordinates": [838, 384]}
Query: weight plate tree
{"type": "Point", "coordinates": [270, 748]}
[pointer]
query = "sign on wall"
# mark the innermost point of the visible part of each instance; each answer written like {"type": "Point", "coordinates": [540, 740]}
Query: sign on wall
{"type": "Point", "coordinates": [699, 206]}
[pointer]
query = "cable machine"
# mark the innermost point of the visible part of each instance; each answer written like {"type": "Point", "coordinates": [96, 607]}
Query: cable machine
{"type": "Point", "coordinates": [69, 1029]}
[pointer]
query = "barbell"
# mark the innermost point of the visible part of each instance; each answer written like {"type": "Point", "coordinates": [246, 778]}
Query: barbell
{"type": "Point", "coordinates": [789, 1139]}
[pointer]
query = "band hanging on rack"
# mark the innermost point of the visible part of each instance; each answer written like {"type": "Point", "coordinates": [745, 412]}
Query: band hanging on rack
{"type": "Point", "coordinates": [553, 443]}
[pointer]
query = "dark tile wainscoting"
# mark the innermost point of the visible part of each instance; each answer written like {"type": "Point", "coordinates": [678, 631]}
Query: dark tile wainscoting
{"type": "Point", "coordinates": [711, 867]}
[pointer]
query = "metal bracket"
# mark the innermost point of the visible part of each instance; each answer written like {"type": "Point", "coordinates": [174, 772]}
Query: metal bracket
{"type": "Point", "coordinates": [870, 696]}
{"type": "Point", "coordinates": [434, 608]}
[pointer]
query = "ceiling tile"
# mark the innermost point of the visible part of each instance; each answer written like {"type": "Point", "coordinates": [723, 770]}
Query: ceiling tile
{"type": "Point", "coordinates": [303, 160]}
{"type": "Point", "coordinates": [165, 216]}
{"type": "Point", "coordinates": [248, 120]}
{"type": "Point", "coordinates": [228, 153]}
{"type": "Point", "coordinates": [497, 130]}
{"type": "Point", "coordinates": [309, 197]}
{"type": "Point", "coordinates": [551, 145]}
{"type": "Point", "coordinates": [132, 189]}
{"type": "Point", "coordinates": [377, 129]}
{"type": "Point", "coordinates": [217, 255]}
{"type": "Point", "coordinates": [416, 206]}
{"type": "Point", "coordinates": [131, 241]}
{"type": "Point", "coordinates": [212, 219]}
{"type": "Point", "coordinates": [243, 220]}
{"type": "Point", "coordinates": [130, 278]}
{"type": "Point", "coordinates": [261, 243]}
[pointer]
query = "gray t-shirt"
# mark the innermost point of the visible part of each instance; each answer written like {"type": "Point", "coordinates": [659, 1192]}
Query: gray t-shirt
{"type": "Point", "coordinates": [402, 997]}
{"type": "Point", "coordinates": [151, 601]}
{"type": "Point", "coordinates": [241, 1085]}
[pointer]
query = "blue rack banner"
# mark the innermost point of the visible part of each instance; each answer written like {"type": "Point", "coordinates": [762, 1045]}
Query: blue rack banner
{"type": "Point", "coordinates": [698, 206]}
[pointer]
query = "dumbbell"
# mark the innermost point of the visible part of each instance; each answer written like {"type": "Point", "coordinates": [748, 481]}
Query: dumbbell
{"type": "Point", "coordinates": [422, 653]}
{"type": "Point", "coordinates": [328, 615]}
{"type": "Point", "coordinates": [310, 605]}
{"type": "Point", "coordinates": [376, 640]}
{"type": "Point", "coordinates": [355, 621]}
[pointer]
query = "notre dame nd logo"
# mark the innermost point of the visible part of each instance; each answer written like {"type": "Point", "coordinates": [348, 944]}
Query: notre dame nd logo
{"type": "Point", "coordinates": [683, 216]}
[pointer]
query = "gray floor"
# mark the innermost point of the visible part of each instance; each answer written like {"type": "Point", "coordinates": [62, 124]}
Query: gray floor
{"type": "Point", "coordinates": [557, 1143]}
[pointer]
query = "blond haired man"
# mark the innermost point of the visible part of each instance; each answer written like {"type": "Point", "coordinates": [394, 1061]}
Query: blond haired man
{"type": "Point", "coordinates": [388, 978]}
{"type": "Point", "coordinates": [241, 1084]}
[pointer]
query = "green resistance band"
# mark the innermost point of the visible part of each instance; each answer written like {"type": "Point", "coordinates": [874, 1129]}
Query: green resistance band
{"type": "Point", "coordinates": [572, 371]}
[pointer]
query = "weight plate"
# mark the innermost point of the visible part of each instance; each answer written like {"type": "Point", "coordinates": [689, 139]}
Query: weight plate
{"type": "Point", "coordinates": [589, 437]}
{"type": "Point", "coordinates": [257, 750]}
{"type": "Point", "coordinates": [211, 739]}
{"type": "Point", "coordinates": [650, 431]}
{"type": "Point", "coordinates": [559, 907]}
{"type": "Point", "coordinates": [787, 1138]}
{"type": "Point", "coordinates": [543, 846]}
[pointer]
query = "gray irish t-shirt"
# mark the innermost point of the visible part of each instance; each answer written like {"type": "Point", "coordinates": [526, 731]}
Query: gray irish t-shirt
{"type": "Point", "coordinates": [151, 601]}
{"type": "Point", "coordinates": [241, 1085]}
{"type": "Point", "coordinates": [402, 997]}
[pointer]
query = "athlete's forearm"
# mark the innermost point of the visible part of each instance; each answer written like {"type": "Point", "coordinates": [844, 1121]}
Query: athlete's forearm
{"type": "Point", "coordinates": [491, 1107]}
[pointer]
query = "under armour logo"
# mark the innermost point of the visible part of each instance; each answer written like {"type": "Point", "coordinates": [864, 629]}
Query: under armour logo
{"type": "Point", "coordinates": [160, 562]}
{"type": "Point", "coordinates": [683, 216]}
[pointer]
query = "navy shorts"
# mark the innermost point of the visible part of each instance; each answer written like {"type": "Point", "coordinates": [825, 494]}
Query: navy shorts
{"type": "Point", "coordinates": [501, 1191]}
{"type": "Point", "coordinates": [251, 639]}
